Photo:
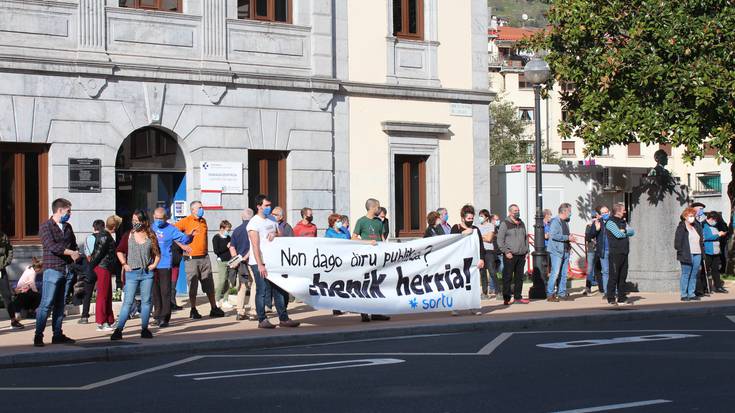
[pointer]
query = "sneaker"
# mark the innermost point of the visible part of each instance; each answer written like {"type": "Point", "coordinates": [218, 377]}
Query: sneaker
{"type": "Point", "coordinates": [685, 299]}
{"type": "Point", "coordinates": [241, 317]}
{"type": "Point", "coordinates": [520, 301]}
{"type": "Point", "coordinates": [163, 324]}
{"type": "Point", "coordinates": [721, 290]}
{"type": "Point", "coordinates": [379, 317]}
{"type": "Point", "coordinates": [226, 305]}
{"type": "Point", "coordinates": [476, 312]}
{"type": "Point", "coordinates": [176, 307]}
{"type": "Point", "coordinates": [155, 322]}
{"type": "Point", "coordinates": [194, 314]}
{"type": "Point", "coordinates": [289, 323]}
{"type": "Point", "coordinates": [116, 335]}
{"type": "Point", "coordinates": [38, 340]}
{"type": "Point", "coordinates": [506, 301]}
{"type": "Point", "coordinates": [455, 313]}
{"type": "Point", "coordinates": [337, 312]}
{"type": "Point", "coordinates": [62, 339]}
{"type": "Point", "coordinates": [216, 312]}
{"type": "Point", "coordinates": [695, 298]}
{"type": "Point", "coordinates": [612, 303]}
{"type": "Point", "coordinates": [553, 298]}
{"type": "Point", "coordinates": [16, 325]}
{"type": "Point", "coordinates": [83, 320]}
{"type": "Point", "coordinates": [146, 333]}
{"type": "Point", "coordinates": [587, 291]}
{"type": "Point", "coordinates": [266, 324]}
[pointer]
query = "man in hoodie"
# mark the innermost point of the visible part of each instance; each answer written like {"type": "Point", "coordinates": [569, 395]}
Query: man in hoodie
{"type": "Point", "coordinates": [513, 243]}
{"type": "Point", "coordinates": [560, 245]}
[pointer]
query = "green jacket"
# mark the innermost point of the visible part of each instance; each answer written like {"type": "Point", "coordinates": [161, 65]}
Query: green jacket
{"type": "Point", "coordinates": [6, 251]}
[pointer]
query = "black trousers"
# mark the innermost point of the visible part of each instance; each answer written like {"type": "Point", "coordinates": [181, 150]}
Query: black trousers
{"type": "Point", "coordinates": [513, 269]}
{"type": "Point", "coordinates": [162, 295]}
{"type": "Point", "coordinates": [712, 265]}
{"type": "Point", "coordinates": [618, 276]}
{"type": "Point", "coordinates": [6, 293]}
{"type": "Point", "coordinates": [87, 299]}
{"type": "Point", "coordinates": [28, 301]}
{"type": "Point", "coordinates": [489, 273]}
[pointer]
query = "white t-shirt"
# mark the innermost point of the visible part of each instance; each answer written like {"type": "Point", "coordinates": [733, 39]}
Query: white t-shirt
{"type": "Point", "coordinates": [264, 227]}
{"type": "Point", "coordinates": [484, 229]}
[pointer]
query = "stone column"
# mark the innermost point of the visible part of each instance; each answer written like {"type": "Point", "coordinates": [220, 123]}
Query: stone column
{"type": "Point", "coordinates": [214, 34]}
{"type": "Point", "coordinates": [92, 40]}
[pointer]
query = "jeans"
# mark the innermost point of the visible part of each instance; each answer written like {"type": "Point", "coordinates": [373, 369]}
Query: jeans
{"type": "Point", "coordinates": [138, 278]}
{"type": "Point", "coordinates": [688, 282]}
{"type": "Point", "coordinates": [266, 293]}
{"type": "Point", "coordinates": [559, 268]}
{"type": "Point", "coordinates": [55, 286]}
{"type": "Point", "coordinates": [605, 270]}
{"type": "Point", "coordinates": [591, 281]}
{"type": "Point", "coordinates": [489, 274]}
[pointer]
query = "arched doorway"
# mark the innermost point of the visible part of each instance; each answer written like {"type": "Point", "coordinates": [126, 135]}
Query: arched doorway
{"type": "Point", "coordinates": [150, 172]}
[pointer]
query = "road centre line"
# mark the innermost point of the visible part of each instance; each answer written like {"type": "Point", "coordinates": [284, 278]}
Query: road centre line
{"type": "Point", "coordinates": [616, 406]}
{"type": "Point", "coordinates": [367, 340]}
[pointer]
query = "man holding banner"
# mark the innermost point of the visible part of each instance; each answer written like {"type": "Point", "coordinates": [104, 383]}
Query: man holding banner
{"type": "Point", "coordinates": [261, 232]}
{"type": "Point", "coordinates": [370, 228]}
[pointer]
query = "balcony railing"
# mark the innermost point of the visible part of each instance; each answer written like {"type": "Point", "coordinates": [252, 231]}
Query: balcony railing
{"type": "Point", "coordinates": [708, 183]}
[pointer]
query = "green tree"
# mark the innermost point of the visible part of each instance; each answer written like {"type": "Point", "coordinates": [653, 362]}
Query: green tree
{"type": "Point", "coordinates": [645, 71]}
{"type": "Point", "coordinates": [509, 140]}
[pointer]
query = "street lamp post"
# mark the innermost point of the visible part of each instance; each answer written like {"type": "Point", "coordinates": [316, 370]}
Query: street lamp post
{"type": "Point", "coordinates": [537, 72]}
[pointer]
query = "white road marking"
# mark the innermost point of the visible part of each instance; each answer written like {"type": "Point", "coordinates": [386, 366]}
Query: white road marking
{"type": "Point", "coordinates": [295, 368]}
{"type": "Point", "coordinates": [616, 406]}
{"type": "Point", "coordinates": [493, 345]}
{"type": "Point", "coordinates": [367, 340]}
{"type": "Point", "coordinates": [337, 354]}
{"type": "Point", "coordinates": [731, 318]}
{"type": "Point", "coordinates": [617, 340]}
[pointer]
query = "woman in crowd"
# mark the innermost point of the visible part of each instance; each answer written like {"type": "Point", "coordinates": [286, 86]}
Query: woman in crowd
{"type": "Point", "coordinates": [112, 224]}
{"type": "Point", "coordinates": [689, 245]}
{"type": "Point", "coordinates": [101, 256]}
{"type": "Point", "coordinates": [6, 257]}
{"type": "Point", "coordinates": [433, 225]}
{"type": "Point", "coordinates": [386, 226]}
{"type": "Point", "coordinates": [712, 250]}
{"type": "Point", "coordinates": [139, 254]}
{"type": "Point", "coordinates": [221, 246]}
{"type": "Point", "coordinates": [335, 227]}
{"type": "Point", "coordinates": [487, 276]}
{"type": "Point", "coordinates": [26, 291]}
{"type": "Point", "coordinates": [346, 226]}
{"type": "Point", "coordinates": [466, 227]}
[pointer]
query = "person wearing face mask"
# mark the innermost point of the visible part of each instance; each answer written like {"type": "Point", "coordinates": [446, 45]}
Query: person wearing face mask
{"type": "Point", "coordinates": [433, 225]}
{"type": "Point", "coordinates": [444, 215]}
{"type": "Point", "coordinates": [618, 234]}
{"type": "Point", "coordinates": [101, 255]}
{"type": "Point", "coordinates": [467, 227]}
{"type": "Point", "coordinates": [513, 243]}
{"type": "Point", "coordinates": [346, 225]}
{"type": "Point", "coordinates": [139, 253]}
{"type": "Point", "coordinates": [60, 251]}
{"type": "Point", "coordinates": [602, 246]}
{"type": "Point", "coordinates": [197, 266]}
{"type": "Point", "coordinates": [383, 217]}
{"type": "Point", "coordinates": [167, 235]}
{"type": "Point", "coordinates": [284, 228]}
{"type": "Point", "coordinates": [560, 246]}
{"type": "Point", "coordinates": [689, 245]}
{"type": "Point", "coordinates": [712, 253]}
{"type": "Point", "coordinates": [221, 248]}
{"type": "Point", "coordinates": [305, 227]}
{"type": "Point", "coordinates": [488, 278]}
{"type": "Point", "coordinates": [335, 227]}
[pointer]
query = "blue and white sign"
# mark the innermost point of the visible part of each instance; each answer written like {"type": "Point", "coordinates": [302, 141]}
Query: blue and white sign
{"type": "Point", "coordinates": [221, 176]}
{"type": "Point", "coordinates": [424, 275]}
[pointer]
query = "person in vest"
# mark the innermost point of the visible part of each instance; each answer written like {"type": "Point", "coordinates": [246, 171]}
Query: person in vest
{"type": "Point", "coordinates": [618, 235]}
{"type": "Point", "coordinates": [560, 246]}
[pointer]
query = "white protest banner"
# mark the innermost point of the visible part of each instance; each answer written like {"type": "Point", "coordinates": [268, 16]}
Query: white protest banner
{"type": "Point", "coordinates": [429, 274]}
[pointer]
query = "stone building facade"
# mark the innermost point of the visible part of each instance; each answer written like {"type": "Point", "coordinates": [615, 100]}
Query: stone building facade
{"type": "Point", "coordinates": [319, 106]}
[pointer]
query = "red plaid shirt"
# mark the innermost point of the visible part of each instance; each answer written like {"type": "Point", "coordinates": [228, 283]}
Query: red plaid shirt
{"type": "Point", "coordinates": [55, 241]}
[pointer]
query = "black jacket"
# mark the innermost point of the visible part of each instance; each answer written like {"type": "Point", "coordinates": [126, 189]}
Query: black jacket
{"type": "Point", "coordinates": [681, 242]}
{"type": "Point", "coordinates": [618, 245]}
{"type": "Point", "coordinates": [592, 233]}
{"type": "Point", "coordinates": [433, 231]}
{"type": "Point", "coordinates": [103, 254]}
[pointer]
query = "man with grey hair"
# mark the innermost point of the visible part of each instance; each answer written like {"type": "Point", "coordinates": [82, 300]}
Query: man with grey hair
{"type": "Point", "coordinates": [240, 245]}
{"type": "Point", "coordinates": [167, 234]}
{"type": "Point", "coordinates": [444, 216]}
{"type": "Point", "coordinates": [560, 246]}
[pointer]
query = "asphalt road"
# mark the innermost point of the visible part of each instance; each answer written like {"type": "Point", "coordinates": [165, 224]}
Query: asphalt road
{"type": "Point", "coordinates": [673, 365]}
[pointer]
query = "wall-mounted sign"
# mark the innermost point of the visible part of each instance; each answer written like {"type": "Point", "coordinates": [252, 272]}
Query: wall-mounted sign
{"type": "Point", "coordinates": [211, 199]}
{"type": "Point", "coordinates": [460, 109]}
{"type": "Point", "coordinates": [85, 175]}
{"type": "Point", "coordinates": [221, 176]}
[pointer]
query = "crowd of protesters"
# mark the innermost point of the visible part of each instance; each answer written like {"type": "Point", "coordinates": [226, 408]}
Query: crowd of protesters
{"type": "Point", "coordinates": [144, 262]}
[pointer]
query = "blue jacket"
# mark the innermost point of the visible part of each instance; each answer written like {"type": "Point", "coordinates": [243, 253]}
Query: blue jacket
{"type": "Point", "coordinates": [166, 236]}
{"type": "Point", "coordinates": [332, 233]}
{"type": "Point", "coordinates": [558, 242]}
{"type": "Point", "coordinates": [711, 235]}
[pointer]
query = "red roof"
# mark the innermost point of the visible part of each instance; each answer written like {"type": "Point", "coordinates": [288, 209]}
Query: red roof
{"type": "Point", "coordinates": [513, 34]}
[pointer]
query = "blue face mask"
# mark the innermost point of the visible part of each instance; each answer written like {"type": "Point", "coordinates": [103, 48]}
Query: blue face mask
{"type": "Point", "coordinates": [445, 217]}
{"type": "Point", "coordinates": [338, 224]}
{"type": "Point", "coordinates": [267, 210]}
{"type": "Point", "coordinates": [159, 223]}
{"type": "Point", "coordinates": [700, 212]}
{"type": "Point", "coordinates": [200, 212]}
{"type": "Point", "coordinates": [65, 218]}
{"type": "Point", "coordinates": [605, 216]}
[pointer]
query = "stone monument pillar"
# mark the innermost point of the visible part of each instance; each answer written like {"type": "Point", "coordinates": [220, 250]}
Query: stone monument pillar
{"type": "Point", "coordinates": [655, 207]}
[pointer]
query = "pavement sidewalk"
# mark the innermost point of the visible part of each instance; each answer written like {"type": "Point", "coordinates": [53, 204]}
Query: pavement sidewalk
{"type": "Point", "coordinates": [212, 335]}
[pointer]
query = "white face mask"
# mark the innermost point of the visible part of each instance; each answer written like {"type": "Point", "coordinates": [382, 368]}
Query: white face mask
{"type": "Point", "coordinates": [690, 220]}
